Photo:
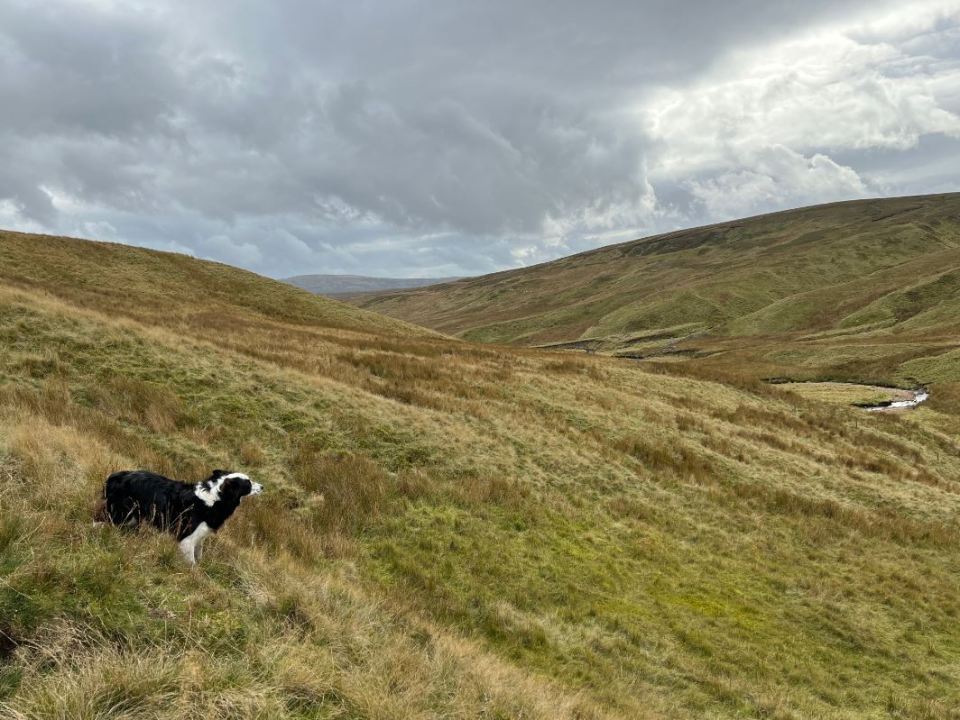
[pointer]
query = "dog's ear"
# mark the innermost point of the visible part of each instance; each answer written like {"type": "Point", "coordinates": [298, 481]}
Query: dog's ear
{"type": "Point", "coordinates": [217, 473]}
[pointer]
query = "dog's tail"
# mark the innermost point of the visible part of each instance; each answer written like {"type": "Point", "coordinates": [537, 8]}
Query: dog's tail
{"type": "Point", "coordinates": [100, 514]}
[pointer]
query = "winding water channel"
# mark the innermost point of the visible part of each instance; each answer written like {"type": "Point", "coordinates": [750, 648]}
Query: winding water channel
{"type": "Point", "coordinates": [919, 396]}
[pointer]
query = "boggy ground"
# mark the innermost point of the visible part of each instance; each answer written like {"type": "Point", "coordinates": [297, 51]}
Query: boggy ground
{"type": "Point", "coordinates": [449, 530]}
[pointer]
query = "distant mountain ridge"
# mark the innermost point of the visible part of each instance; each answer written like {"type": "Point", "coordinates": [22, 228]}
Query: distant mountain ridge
{"type": "Point", "coordinates": [356, 284]}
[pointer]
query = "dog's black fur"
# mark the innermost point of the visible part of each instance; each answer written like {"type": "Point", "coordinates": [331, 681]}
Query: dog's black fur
{"type": "Point", "coordinates": [132, 497]}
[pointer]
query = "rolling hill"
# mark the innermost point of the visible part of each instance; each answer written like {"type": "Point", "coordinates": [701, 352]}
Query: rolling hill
{"type": "Point", "coordinates": [449, 530]}
{"type": "Point", "coordinates": [858, 290]}
{"type": "Point", "coordinates": [353, 284]}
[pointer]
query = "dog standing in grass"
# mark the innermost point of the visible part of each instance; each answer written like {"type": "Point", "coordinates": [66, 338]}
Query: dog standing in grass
{"type": "Point", "coordinates": [189, 512]}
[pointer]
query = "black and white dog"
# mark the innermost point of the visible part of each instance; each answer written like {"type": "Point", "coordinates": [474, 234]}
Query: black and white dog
{"type": "Point", "coordinates": [187, 511]}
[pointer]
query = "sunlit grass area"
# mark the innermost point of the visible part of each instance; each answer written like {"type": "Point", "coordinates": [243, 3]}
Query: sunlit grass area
{"type": "Point", "coordinates": [449, 529]}
{"type": "Point", "coordinates": [846, 393]}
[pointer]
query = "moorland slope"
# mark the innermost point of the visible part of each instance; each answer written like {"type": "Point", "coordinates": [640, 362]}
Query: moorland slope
{"type": "Point", "coordinates": [864, 290]}
{"type": "Point", "coordinates": [450, 530]}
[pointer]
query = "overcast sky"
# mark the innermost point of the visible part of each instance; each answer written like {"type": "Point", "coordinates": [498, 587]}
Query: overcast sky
{"type": "Point", "coordinates": [446, 137]}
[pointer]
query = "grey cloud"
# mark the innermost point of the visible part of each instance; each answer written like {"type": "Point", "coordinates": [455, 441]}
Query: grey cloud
{"type": "Point", "coordinates": [71, 70]}
{"type": "Point", "coordinates": [400, 137]}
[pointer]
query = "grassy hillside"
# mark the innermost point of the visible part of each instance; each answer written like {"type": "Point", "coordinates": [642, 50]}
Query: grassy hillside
{"type": "Point", "coordinates": [449, 530]}
{"type": "Point", "coordinates": [852, 290]}
{"type": "Point", "coordinates": [175, 291]}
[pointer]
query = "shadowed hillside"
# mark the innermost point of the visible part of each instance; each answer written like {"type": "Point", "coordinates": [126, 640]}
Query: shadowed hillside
{"type": "Point", "coordinates": [353, 284]}
{"type": "Point", "coordinates": [849, 290]}
{"type": "Point", "coordinates": [449, 530]}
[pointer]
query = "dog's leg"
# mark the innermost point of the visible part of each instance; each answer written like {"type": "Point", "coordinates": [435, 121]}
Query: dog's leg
{"type": "Point", "coordinates": [187, 550]}
{"type": "Point", "coordinates": [190, 545]}
{"type": "Point", "coordinates": [198, 549]}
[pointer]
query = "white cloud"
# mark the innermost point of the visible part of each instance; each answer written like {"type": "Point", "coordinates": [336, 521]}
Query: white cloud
{"type": "Point", "coordinates": [100, 229]}
{"type": "Point", "coordinates": [777, 176]}
{"type": "Point", "coordinates": [760, 130]}
{"type": "Point", "coordinates": [244, 254]}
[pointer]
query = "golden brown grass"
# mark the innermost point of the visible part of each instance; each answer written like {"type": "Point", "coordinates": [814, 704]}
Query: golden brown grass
{"type": "Point", "coordinates": [261, 636]}
{"type": "Point", "coordinates": [452, 530]}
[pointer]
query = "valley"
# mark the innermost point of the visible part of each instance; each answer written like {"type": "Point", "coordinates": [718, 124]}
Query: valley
{"type": "Point", "coordinates": [456, 529]}
{"type": "Point", "coordinates": [865, 291]}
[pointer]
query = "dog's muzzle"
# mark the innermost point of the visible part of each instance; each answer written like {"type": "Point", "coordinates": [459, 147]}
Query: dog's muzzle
{"type": "Point", "coordinates": [256, 488]}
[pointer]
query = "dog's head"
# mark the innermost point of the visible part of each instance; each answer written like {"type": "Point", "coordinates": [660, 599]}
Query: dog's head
{"type": "Point", "coordinates": [226, 485]}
